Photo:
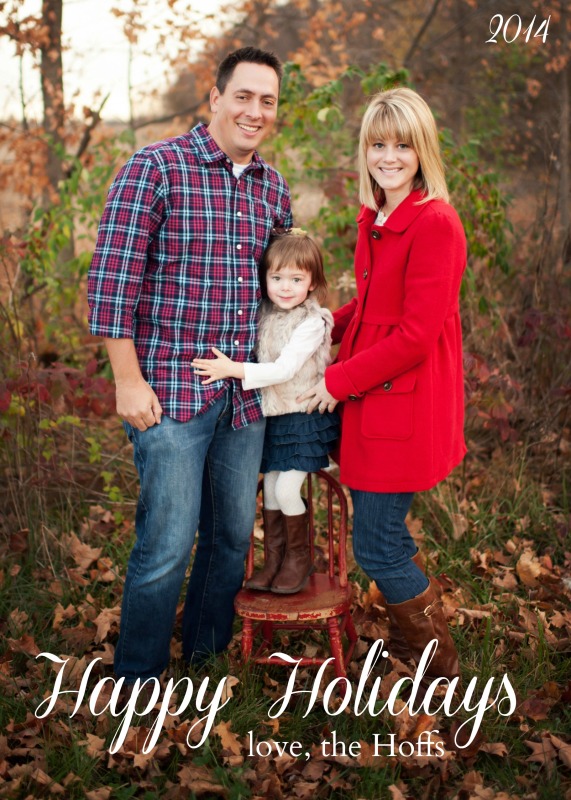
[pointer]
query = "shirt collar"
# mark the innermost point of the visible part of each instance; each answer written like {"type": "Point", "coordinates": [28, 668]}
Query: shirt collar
{"type": "Point", "coordinates": [403, 215]}
{"type": "Point", "coordinates": [209, 151]}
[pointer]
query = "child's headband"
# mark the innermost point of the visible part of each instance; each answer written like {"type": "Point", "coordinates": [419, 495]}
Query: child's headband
{"type": "Point", "coordinates": [289, 232]}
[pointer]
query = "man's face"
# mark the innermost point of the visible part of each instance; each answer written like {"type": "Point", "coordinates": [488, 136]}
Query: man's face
{"type": "Point", "coordinates": [243, 116]}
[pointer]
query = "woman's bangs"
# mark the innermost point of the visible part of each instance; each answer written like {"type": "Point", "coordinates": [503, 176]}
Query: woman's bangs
{"type": "Point", "coordinates": [389, 124]}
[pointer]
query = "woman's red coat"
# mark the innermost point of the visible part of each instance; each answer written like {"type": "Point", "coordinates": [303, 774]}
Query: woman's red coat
{"type": "Point", "coordinates": [399, 367]}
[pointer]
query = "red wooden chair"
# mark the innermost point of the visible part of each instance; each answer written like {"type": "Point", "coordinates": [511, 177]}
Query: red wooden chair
{"type": "Point", "coordinates": [325, 602]}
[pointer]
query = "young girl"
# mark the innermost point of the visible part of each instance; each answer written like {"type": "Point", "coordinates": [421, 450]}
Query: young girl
{"type": "Point", "coordinates": [293, 352]}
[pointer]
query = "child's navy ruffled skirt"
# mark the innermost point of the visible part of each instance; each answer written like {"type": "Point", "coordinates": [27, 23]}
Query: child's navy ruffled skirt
{"type": "Point", "coordinates": [299, 441]}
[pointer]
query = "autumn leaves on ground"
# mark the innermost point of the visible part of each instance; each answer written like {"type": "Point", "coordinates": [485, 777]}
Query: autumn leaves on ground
{"type": "Point", "coordinates": [506, 600]}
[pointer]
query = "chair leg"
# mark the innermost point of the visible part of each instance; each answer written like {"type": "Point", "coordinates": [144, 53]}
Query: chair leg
{"type": "Point", "coordinates": [267, 633]}
{"type": "Point", "coordinates": [247, 639]}
{"type": "Point", "coordinates": [350, 628]}
{"type": "Point", "coordinates": [336, 646]}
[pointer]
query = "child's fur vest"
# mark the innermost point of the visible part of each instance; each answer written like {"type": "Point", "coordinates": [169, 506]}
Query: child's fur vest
{"type": "Point", "coordinates": [275, 330]}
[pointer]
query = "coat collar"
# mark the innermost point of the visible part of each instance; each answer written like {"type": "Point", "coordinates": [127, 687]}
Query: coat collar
{"type": "Point", "coordinates": [403, 215]}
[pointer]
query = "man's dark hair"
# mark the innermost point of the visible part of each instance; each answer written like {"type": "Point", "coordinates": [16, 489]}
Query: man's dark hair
{"type": "Point", "coordinates": [250, 55]}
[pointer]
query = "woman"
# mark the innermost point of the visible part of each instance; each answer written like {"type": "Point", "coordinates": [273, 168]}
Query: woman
{"type": "Point", "coordinates": [399, 367]}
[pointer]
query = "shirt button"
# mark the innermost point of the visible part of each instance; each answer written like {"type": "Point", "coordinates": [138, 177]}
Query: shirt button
{"type": "Point", "coordinates": [236, 342]}
{"type": "Point", "coordinates": [387, 386]}
{"type": "Point", "coordinates": [240, 312]}
{"type": "Point", "coordinates": [365, 273]}
{"type": "Point", "coordinates": [240, 279]}
{"type": "Point", "coordinates": [238, 213]}
{"type": "Point", "coordinates": [353, 397]}
{"type": "Point", "coordinates": [238, 247]}
{"type": "Point", "coordinates": [376, 235]}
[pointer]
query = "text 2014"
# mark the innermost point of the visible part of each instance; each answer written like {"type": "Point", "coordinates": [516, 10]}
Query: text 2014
{"type": "Point", "coordinates": [513, 27]}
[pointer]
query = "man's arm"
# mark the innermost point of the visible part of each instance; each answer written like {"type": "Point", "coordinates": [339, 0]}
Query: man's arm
{"type": "Point", "coordinates": [137, 403]}
{"type": "Point", "coordinates": [132, 215]}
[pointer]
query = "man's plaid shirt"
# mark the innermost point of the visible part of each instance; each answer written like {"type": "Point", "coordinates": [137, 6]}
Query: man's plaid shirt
{"type": "Point", "coordinates": [176, 265]}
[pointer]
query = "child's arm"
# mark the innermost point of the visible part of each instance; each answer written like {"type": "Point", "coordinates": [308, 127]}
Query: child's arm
{"type": "Point", "coordinates": [303, 343]}
{"type": "Point", "coordinates": [218, 368]}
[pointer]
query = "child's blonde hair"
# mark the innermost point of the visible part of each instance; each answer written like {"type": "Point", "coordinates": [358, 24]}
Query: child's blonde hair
{"type": "Point", "coordinates": [294, 248]}
{"type": "Point", "coordinates": [403, 115]}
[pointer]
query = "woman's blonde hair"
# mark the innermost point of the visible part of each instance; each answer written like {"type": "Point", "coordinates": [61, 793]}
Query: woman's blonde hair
{"type": "Point", "coordinates": [403, 115]}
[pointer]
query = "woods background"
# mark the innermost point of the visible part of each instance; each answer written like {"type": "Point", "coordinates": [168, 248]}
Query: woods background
{"type": "Point", "coordinates": [497, 531]}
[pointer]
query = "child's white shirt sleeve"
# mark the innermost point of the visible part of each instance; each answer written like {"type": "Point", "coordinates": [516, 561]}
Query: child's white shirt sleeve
{"type": "Point", "coordinates": [303, 343]}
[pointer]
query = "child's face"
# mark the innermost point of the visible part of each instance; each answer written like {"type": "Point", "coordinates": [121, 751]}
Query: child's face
{"type": "Point", "coordinates": [289, 287]}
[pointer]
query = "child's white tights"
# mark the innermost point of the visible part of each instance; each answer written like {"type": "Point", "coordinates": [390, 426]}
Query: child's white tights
{"type": "Point", "coordinates": [282, 491]}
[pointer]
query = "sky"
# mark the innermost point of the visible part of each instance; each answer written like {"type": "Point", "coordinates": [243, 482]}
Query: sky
{"type": "Point", "coordinates": [95, 63]}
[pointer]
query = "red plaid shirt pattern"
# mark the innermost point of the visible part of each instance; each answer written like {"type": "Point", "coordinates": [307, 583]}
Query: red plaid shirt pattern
{"type": "Point", "coordinates": [176, 261]}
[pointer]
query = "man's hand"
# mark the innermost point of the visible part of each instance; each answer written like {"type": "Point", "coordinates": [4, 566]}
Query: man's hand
{"type": "Point", "coordinates": [318, 397]}
{"type": "Point", "coordinates": [216, 369]}
{"type": "Point", "coordinates": [137, 404]}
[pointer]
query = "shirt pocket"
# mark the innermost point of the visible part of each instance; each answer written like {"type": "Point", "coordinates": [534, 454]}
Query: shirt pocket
{"type": "Point", "coordinates": [388, 409]}
{"type": "Point", "coordinates": [263, 223]}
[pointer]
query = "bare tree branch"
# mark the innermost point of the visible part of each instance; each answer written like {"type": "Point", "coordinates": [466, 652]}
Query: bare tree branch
{"type": "Point", "coordinates": [86, 137]}
{"type": "Point", "coordinates": [169, 117]}
{"type": "Point", "coordinates": [423, 28]}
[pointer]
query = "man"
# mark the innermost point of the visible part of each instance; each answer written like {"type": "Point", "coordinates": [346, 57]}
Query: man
{"type": "Point", "coordinates": [175, 273]}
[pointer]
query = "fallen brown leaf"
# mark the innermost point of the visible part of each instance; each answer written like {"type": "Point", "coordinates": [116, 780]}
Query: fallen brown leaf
{"type": "Point", "coordinates": [227, 691]}
{"type": "Point", "coordinates": [104, 793]}
{"type": "Point", "coordinates": [494, 749]}
{"type": "Point", "coordinates": [535, 708]}
{"type": "Point", "coordinates": [106, 620]}
{"type": "Point", "coordinates": [543, 752]}
{"type": "Point", "coordinates": [83, 554]}
{"type": "Point", "coordinates": [62, 614]}
{"type": "Point", "coordinates": [94, 746]}
{"type": "Point", "coordinates": [373, 596]}
{"type": "Point", "coordinates": [314, 770]}
{"type": "Point", "coordinates": [563, 750]}
{"type": "Point", "coordinates": [229, 740]}
{"type": "Point", "coordinates": [25, 644]}
{"type": "Point", "coordinates": [305, 789]}
{"type": "Point", "coordinates": [529, 569]}
{"type": "Point", "coordinates": [459, 526]}
{"type": "Point", "coordinates": [396, 793]}
{"type": "Point", "coordinates": [199, 780]}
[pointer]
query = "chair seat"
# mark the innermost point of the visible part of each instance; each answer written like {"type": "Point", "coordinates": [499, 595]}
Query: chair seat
{"type": "Point", "coordinates": [323, 597]}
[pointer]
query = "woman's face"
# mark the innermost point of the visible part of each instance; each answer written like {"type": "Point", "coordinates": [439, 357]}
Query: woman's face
{"type": "Point", "coordinates": [393, 165]}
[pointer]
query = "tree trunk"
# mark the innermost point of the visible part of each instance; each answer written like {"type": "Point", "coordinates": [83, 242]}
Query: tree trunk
{"type": "Point", "coordinates": [51, 68]}
{"type": "Point", "coordinates": [564, 125]}
{"type": "Point", "coordinates": [462, 80]}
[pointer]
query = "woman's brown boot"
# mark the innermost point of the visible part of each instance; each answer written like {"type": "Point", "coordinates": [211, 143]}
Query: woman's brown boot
{"type": "Point", "coordinates": [421, 619]}
{"type": "Point", "coordinates": [397, 644]}
{"type": "Point", "coordinates": [296, 566]}
{"type": "Point", "coordinates": [274, 550]}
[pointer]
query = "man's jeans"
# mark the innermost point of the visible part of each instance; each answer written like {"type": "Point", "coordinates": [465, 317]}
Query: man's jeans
{"type": "Point", "coordinates": [197, 475]}
{"type": "Point", "coordinates": [383, 546]}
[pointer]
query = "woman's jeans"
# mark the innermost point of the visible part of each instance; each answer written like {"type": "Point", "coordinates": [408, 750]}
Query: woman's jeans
{"type": "Point", "coordinates": [197, 475]}
{"type": "Point", "coordinates": [383, 546]}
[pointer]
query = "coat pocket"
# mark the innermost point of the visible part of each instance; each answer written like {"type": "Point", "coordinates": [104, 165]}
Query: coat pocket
{"type": "Point", "coordinates": [388, 409]}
